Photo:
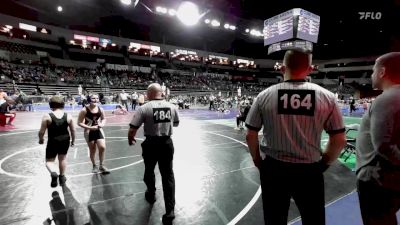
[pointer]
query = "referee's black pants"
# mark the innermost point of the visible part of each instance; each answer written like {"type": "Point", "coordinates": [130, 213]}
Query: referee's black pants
{"type": "Point", "coordinates": [281, 181]}
{"type": "Point", "coordinates": [161, 150]}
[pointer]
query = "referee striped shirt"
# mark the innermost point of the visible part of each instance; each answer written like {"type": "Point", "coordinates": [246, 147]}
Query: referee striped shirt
{"type": "Point", "coordinates": [293, 115]}
{"type": "Point", "coordinates": [158, 117]}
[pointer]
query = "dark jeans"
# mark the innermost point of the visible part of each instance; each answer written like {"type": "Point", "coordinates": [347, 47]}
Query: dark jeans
{"type": "Point", "coordinates": [160, 150]}
{"type": "Point", "coordinates": [281, 181]}
{"type": "Point", "coordinates": [125, 103]}
{"type": "Point", "coordinates": [378, 205]}
{"type": "Point", "coordinates": [134, 103]}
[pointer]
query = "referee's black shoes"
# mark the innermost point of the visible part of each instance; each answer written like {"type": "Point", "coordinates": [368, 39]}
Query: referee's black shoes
{"type": "Point", "coordinates": [168, 217]}
{"type": "Point", "coordinates": [150, 197]}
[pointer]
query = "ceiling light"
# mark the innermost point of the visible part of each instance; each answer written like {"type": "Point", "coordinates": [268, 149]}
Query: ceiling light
{"type": "Point", "coordinates": [226, 26]}
{"type": "Point", "coordinates": [247, 30]}
{"type": "Point", "coordinates": [161, 9]}
{"type": "Point", "coordinates": [215, 23]}
{"type": "Point", "coordinates": [207, 21]}
{"type": "Point", "coordinates": [232, 27]}
{"type": "Point", "coordinates": [188, 13]}
{"type": "Point", "coordinates": [172, 12]}
{"type": "Point", "coordinates": [59, 8]}
{"type": "Point", "coordinates": [126, 2]}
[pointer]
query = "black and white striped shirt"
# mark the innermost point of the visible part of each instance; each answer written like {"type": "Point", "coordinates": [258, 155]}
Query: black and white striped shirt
{"type": "Point", "coordinates": [158, 117]}
{"type": "Point", "coordinates": [293, 115]}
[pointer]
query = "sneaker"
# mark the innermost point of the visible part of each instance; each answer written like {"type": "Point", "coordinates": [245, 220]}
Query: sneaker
{"type": "Point", "coordinates": [237, 128]}
{"type": "Point", "coordinates": [150, 197]}
{"type": "Point", "coordinates": [168, 217]}
{"type": "Point", "coordinates": [104, 169]}
{"type": "Point", "coordinates": [54, 177]}
{"type": "Point", "coordinates": [95, 169]}
{"type": "Point", "coordinates": [62, 180]}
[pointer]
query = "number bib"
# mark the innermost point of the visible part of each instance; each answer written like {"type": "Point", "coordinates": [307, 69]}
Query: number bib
{"type": "Point", "coordinates": [296, 102]}
{"type": "Point", "coordinates": [161, 115]}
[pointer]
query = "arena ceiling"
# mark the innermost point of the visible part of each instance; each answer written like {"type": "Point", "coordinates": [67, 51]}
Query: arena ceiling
{"type": "Point", "coordinates": [342, 33]}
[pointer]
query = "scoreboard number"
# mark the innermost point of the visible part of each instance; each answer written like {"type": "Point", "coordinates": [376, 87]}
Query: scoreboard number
{"type": "Point", "coordinates": [296, 102]}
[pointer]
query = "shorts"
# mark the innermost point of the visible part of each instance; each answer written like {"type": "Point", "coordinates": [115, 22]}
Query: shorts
{"type": "Point", "coordinates": [94, 135]}
{"type": "Point", "coordinates": [55, 148]}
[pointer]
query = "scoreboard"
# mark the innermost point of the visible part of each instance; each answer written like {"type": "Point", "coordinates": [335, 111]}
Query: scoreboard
{"type": "Point", "coordinates": [291, 25]}
{"type": "Point", "coordinates": [308, 26]}
{"type": "Point", "coordinates": [278, 28]}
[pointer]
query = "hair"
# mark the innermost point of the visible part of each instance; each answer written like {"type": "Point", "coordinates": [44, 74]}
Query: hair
{"type": "Point", "coordinates": [391, 63]}
{"type": "Point", "coordinates": [297, 61]}
{"type": "Point", "coordinates": [56, 102]}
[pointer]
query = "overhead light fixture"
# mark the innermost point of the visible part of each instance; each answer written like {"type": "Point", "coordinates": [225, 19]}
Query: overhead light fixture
{"type": "Point", "coordinates": [188, 13]}
{"type": "Point", "coordinates": [126, 2]}
{"type": "Point", "coordinates": [247, 30]}
{"type": "Point", "coordinates": [59, 8]}
{"type": "Point", "coordinates": [232, 27]}
{"type": "Point", "coordinates": [226, 26]}
{"type": "Point", "coordinates": [161, 9]}
{"type": "Point", "coordinates": [207, 21]}
{"type": "Point", "coordinates": [215, 23]}
{"type": "Point", "coordinates": [172, 12]}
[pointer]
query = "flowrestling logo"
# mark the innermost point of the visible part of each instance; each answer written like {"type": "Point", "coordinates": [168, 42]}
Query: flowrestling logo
{"type": "Point", "coordinates": [370, 15]}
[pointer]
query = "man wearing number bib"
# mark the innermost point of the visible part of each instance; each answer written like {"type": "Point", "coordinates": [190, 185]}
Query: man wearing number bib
{"type": "Point", "coordinates": [158, 117]}
{"type": "Point", "coordinates": [293, 115]}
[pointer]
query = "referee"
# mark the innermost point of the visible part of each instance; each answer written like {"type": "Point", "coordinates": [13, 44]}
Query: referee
{"type": "Point", "coordinates": [293, 115]}
{"type": "Point", "coordinates": [158, 117]}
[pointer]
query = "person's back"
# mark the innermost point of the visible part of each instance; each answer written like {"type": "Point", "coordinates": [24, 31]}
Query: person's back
{"type": "Point", "coordinates": [293, 115]}
{"type": "Point", "coordinates": [58, 128]}
{"type": "Point", "coordinates": [160, 122]}
{"type": "Point", "coordinates": [293, 129]}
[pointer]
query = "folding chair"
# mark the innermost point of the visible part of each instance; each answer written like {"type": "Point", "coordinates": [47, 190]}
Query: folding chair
{"type": "Point", "coordinates": [350, 147]}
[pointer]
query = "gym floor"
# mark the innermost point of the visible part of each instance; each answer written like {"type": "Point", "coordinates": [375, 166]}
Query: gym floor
{"type": "Point", "coordinates": [216, 182]}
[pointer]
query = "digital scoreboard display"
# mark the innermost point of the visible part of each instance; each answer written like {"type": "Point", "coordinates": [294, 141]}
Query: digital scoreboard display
{"type": "Point", "coordinates": [279, 28]}
{"type": "Point", "coordinates": [308, 26]}
{"type": "Point", "coordinates": [305, 46]}
{"type": "Point", "coordinates": [293, 24]}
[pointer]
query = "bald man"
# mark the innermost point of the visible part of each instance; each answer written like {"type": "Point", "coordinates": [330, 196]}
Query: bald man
{"type": "Point", "coordinates": [293, 114]}
{"type": "Point", "coordinates": [158, 117]}
{"type": "Point", "coordinates": [378, 147]}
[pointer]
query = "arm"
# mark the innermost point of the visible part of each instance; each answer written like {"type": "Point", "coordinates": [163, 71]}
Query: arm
{"type": "Point", "coordinates": [176, 118]}
{"type": "Point", "coordinates": [131, 135]}
{"type": "Point", "coordinates": [43, 128]}
{"type": "Point", "coordinates": [71, 126]}
{"type": "Point", "coordinates": [337, 138]}
{"type": "Point", "coordinates": [135, 124]}
{"type": "Point", "coordinates": [253, 145]}
{"type": "Point", "coordinates": [384, 131]}
{"type": "Point", "coordinates": [102, 122]}
{"type": "Point", "coordinates": [335, 145]}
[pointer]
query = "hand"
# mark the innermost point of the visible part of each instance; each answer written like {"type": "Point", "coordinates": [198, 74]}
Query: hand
{"type": "Point", "coordinates": [100, 125]}
{"type": "Point", "coordinates": [94, 127]}
{"type": "Point", "coordinates": [41, 141]}
{"type": "Point", "coordinates": [72, 144]}
{"type": "Point", "coordinates": [131, 141]}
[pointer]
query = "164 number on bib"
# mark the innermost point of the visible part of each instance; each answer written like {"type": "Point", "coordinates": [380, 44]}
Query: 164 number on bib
{"type": "Point", "coordinates": [296, 102]}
